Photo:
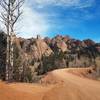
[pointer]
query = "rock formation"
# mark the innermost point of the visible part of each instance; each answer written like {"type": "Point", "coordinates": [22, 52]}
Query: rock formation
{"type": "Point", "coordinates": [36, 56]}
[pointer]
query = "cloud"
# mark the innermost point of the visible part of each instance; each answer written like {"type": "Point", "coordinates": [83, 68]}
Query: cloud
{"type": "Point", "coordinates": [85, 3]}
{"type": "Point", "coordinates": [33, 22]}
{"type": "Point", "coordinates": [30, 23]}
{"type": "Point", "coordinates": [57, 2]}
{"type": "Point", "coordinates": [64, 3]}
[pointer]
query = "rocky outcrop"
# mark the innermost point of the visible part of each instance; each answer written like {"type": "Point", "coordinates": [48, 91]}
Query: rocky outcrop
{"type": "Point", "coordinates": [31, 52]}
{"type": "Point", "coordinates": [36, 56]}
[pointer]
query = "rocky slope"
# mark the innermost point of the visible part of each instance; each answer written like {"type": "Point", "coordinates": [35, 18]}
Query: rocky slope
{"type": "Point", "coordinates": [36, 56]}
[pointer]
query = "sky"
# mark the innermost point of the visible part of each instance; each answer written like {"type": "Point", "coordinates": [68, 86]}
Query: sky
{"type": "Point", "coordinates": [79, 19]}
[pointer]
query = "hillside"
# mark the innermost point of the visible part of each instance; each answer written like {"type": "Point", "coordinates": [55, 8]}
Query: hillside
{"type": "Point", "coordinates": [67, 86]}
{"type": "Point", "coordinates": [36, 56]}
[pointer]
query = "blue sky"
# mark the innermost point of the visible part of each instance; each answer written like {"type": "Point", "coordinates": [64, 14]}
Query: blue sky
{"type": "Point", "coordinates": [79, 19]}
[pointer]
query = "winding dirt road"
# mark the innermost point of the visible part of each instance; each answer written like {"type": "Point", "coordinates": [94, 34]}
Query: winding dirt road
{"type": "Point", "coordinates": [56, 85]}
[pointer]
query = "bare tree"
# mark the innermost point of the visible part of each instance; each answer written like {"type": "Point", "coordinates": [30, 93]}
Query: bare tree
{"type": "Point", "coordinates": [9, 17]}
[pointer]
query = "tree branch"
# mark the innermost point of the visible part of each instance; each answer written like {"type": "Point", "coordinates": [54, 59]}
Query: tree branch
{"type": "Point", "coordinates": [4, 6]}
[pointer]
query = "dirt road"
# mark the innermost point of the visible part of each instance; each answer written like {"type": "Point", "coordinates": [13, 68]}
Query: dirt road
{"type": "Point", "coordinates": [68, 87]}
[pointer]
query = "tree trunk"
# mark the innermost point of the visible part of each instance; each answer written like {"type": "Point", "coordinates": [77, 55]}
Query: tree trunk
{"type": "Point", "coordinates": [7, 58]}
{"type": "Point", "coordinates": [8, 45]}
{"type": "Point", "coordinates": [11, 57]}
{"type": "Point", "coordinates": [10, 16]}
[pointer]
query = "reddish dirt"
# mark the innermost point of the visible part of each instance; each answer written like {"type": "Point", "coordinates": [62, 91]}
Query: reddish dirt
{"type": "Point", "coordinates": [56, 85]}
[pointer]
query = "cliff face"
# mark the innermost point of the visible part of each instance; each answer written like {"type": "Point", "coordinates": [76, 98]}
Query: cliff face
{"type": "Point", "coordinates": [36, 56]}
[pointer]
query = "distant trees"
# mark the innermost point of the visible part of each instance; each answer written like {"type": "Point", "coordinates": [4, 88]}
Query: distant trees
{"type": "Point", "coordinates": [2, 54]}
{"type": "Point", "coordinates": [11, 11]}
